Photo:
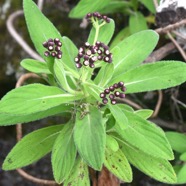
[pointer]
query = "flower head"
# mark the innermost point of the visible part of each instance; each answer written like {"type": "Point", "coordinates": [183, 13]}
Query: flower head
{"type": "Point", "coordinates": [113, 92]}
{"type": "Point", "coordinates": [53, 47]}
{"type": "Point", "coordinates": [97, 15]}
{"type": "Point", "coordinates": [89, 54]}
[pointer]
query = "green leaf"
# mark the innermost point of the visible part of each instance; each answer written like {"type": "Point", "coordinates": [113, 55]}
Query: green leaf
{"type": "Point", "coordinates": [144, 113]}
{"type": "Point", "coordinates": [157, 168]}
{"type": "Point", "coordinates": [183, 156]}
{"type": "Point", "coordinates": [111, 143]}
{"type": "Point", "coordinates": [34, 98]}
{"type": "Point", "coordinates": [39, 27]}
{"type": "Point", "coordinates": [61, 75]}
{"type": "Point", "coordinates": [124, 33]}
{"type": "Point", "coordinates": [117, 163]}
{"type": "Point", "coordinates": [149, 4]}
{"type": "Point", "coordinates": [90, 137]}
{"type": "Point", "coordinates": [10, 119]}
{"type": "Point", "coordinates": [104, 75]}
{"type": "Point", "coordinates": [35, 66]}
{"type": "Point", "coordinates": [137, 22]}
{"type": "Point", "coordinates": [86, 6]}
{"type": "Point", "coordinates": [133, 50]}
{"type": "Point", "coordinates": [79, 175]}
{"type": "Point", "coordinates": [145, 136]}
{"type": "Point", "coordinates": [115, 7]}
{"type": "Point", "coordinates": [181, 179]}
{"type": "Point", "coordinates": [119, 115]}
{"type": "Point", "coordinates": [105, 33]}
{"type": "Point", "coordinates": [32, 147]}
{"type": "Point", "coordinates": [154, 76]}
{"type": "Point", "coordinates": [70, 51]}
{"type": "Point", "coordinates": [63, 154]}
{"type": "Point", "coordinates": [177, 141]}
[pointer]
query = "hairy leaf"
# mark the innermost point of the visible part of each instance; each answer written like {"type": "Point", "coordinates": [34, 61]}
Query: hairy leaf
{"type": "Point", "coordinates": [133, 50]}
{"type": "Point", "coordinates": [154, 76]}
{"type": "Point", "coordinates": [157, 168]}
{"type": "Point", "coordinates": [34, 98]}
{"type": "Point", "coordinates": [79, 175]}
{"type": "Point", "coordinates": [117, 163]}
{"type": "Point", "coordinates": [39, 31]}
{"type": "Point", "coordinates": [32, 147]}
{"type": "Point", "coordinates": [86, 6]}
{"type": "Point", "coordinates": [35, 66]}
{"type": "Point", "coordinates": [90, 137]}
{"type": "Point", "coordinates": [145, 136]}
{"type": "Point", "coordinates": [137, 22]}
{"type": "Point", "coordinates": [63, 154]}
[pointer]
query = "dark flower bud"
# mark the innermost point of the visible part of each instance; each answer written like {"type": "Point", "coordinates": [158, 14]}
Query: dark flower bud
{"type": "Point", "coordinates": [113, 102]}
{"type": "Point", "coordinates": [56, 41]}
{"type": "Point", "coordinates": [59, 56]}
{"type": "Point", "coordinates": [107, 91]}
{"type": "Point", "coordinates": [78, 65]}
{"type": "Point", "coordinates": [89, 52]}
{"type": "Point", "coordinates": [105, 100]}
{"type": "Point", "coordinates": [106, 59]}
{"type": "Point", "coordinates": [59, 44]}
{"type": "Point", "coordinates": [89, 15]}
{"type": "Point", "coordinates": [117, 94]}
{"type": "Point", "coordinates": [107, 20]}
{"type": "Point", "coordinates": [57, 48]}
{"type": "Point", "coordinates": [115, 85]}
{"type": "Point", "coordinates": [100, 58]}
{"type": "Point", "coordinates": [111, 96]}
{"type": "Point", "coordinates": [102, 95]}
{"type": "Point", "coordinates": [111, 88]}
{"type": "Point", "coordinates": [51, 43]}
{"type": "Point", "coordinates": [45, 44]}
{"type": "Point", "coordinates": [47, 53]}
{"type": "Point", "coordinates": [50, 40]}
{"type": "Point", "coordinates": [86, 57]}
{"type": "Point", "coordinates": [121, 84]}
{"type": "Point", "coordinates": [80, 55]}
{"type": "Point", "coordinates": [123, 89]}
{"type": "Point", "coordinates": [53, 54]}
{"type": "Point", "coordinates": [91, 65]}
{"type": "Point", "coordinates": [81, 50]}
{"type": "Point", "coordinates": [122, 95]}
{"type": "Point", "coordinates": [50, 48]}
{"type": "Point", "coordinates": [76, 59]}
{"type": "Point", "coordinates": [86, 62]}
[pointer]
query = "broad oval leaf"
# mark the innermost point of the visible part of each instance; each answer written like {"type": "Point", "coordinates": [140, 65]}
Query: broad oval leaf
{"type": "Point", "coordinates": [90, 137]}
{"type": "Point", "coordinates": [137, 23]}
{"type": "Point", "coordinates": [111, 143]}
{"type": "Point", "coordinates": [79, 175]}
{"type": "Point", "coordinates": [144, 113]}
{"type": "Point", "coordinates": [154, 76]}
{"type": "Point", "coordinates": [133, 50]}
{"type": "Point", "coordinates": [119, 115]}
{"type": "Point", "coordinates": [183, 156]}
{"type": "Point", "coordinates": [105, 33]}
{"type": "Point", "coordinates": [63, 154]}
{"type": "Point", "coordinates": [146, 137]}
{"type": "Point", "coordinates": [34, 98]}
{"type": "Point", "coordinates": [12, 119]}
{"type": "Point", "coordinates": [177, 141]}
{"type": "Point", "coordinates": [39, 27]}
{"type": "Point", "coordinates": [157, 168]}
{"type": "Point", "coordinates": [86, 6]}
{"type": "Point", "coordinates": [32, 147]}
{"type": "Point", "coordinates": [35, 66]}
{"type": "Point", "coordinates": [181, 179]}
{"type": "Point", "coordinates": [117, 163]}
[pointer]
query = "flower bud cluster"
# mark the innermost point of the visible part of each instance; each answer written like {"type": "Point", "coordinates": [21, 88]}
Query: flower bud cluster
{"type": "Point", "coordinates": [53, 47]}
{"type": "Point", "coordinates": [113, 92]}
{"type": "Point", "coordinates": [89, 54]}
{"type": "Point", "coordinates": [98, 16]}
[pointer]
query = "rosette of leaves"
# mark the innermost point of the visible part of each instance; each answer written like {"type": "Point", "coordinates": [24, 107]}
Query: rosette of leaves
{"type": "Point", "coordinates": [96, 135]}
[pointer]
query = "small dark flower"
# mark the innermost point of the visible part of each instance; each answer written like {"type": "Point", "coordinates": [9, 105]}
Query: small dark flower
{"type": "Point", "coordinates": [53, 47]}
{"type": "Point", "coordinates": [115, 93]}
{"type": "Point", "coordinates": [97, 15]}
{"type": "Point", "coordinates": [93, 53]}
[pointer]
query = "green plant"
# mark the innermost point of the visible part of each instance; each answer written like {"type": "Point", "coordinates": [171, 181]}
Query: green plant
{"type": "Point", "coordinates": [89, 84]}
